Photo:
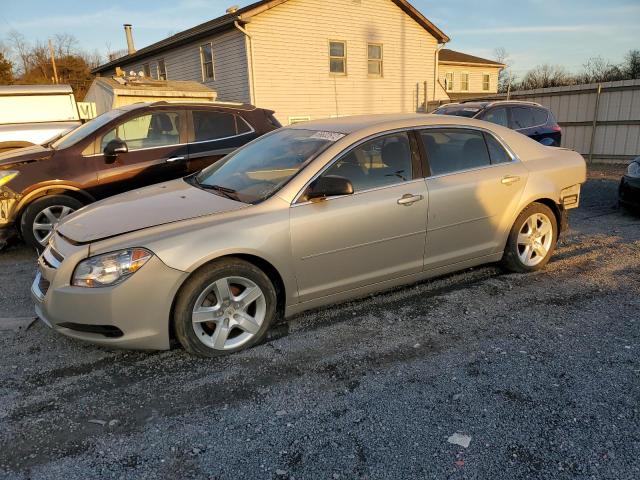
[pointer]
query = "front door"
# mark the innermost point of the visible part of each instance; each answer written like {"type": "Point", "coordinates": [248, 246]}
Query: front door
{"type": "Point", "coordinates": [474, 187]}
{"type": "Point", "coordinates": [376, 234]}
{"type": "Point", "coordinates": [214, 135]}
{"type": "Point", "coordinates": [157, 152]}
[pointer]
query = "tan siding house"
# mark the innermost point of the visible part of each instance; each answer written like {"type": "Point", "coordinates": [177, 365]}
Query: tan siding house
{"type": "Point", "coordinates": [465, 75]}
{"type": "Point", "coordinates": [307, 59]}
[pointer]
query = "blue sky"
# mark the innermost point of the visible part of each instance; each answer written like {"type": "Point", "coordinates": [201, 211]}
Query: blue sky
{"type": "Point", "coordinates": [564, 32]}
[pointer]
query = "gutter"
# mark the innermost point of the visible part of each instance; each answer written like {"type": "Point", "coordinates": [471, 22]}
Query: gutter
{"type": "Point", "coordinates": [436, 69]}
{"type": "Point", "coordinates": [251, 69]}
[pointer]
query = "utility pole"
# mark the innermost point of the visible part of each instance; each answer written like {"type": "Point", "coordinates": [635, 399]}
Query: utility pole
{"type": "Point", "coordinates": [53, 63]}
{"type": "Point", "coordinates": [509, 86]}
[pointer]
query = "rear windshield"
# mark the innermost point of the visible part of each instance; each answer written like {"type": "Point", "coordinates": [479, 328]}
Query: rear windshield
{"type": "Point", "coordinates": [458, 111]}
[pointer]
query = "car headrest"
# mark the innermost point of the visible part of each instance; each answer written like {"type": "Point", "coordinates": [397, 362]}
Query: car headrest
{"type": "Point", "coordinates": [475, 147]}
{"type": "Point", "coordinates": [162, 123]}
{"type": "Point", "coordinates": [394, 155]}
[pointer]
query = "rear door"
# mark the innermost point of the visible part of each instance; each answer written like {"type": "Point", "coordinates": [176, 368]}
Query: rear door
{"type": "Point", "coordinates": [214, 134]}
{"type": "Point", "coordinates": [474, 185]}
{"type": "Point", "coordinates": [157, 151]}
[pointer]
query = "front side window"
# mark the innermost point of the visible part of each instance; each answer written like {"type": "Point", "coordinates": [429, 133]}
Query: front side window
{"type": "Point", "coordinates": [449, 81]}
{"type": "Point", "coordinates": [338, 58]}
{"type": "Point", "coordinates": [464, 82]}
{"type": "Point", "coordinates": [486, 82]}
{"type": "Point", "coordinates": [452, 150]}
{"type": "Point", "coordinates": [206, 59]}
{"type": "Point", "coordinates": [216, 125]}
{"type": "Point", "coordinates": [259, 169]}
{"type": "Point", "coordinates": [377, 163]}
{"type": "Point", "coordinates": [162, 70]}
{"type": "Point", "coordinates": [497, 116]}
{"type": "Point", "coordinates": [522, 117]}
{"type": "Point", "coordinates": [374, 59]}
{"type": "Point", "coordinates": [158, 129]}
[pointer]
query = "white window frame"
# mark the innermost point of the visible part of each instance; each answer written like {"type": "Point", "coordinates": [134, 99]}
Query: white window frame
{"type": "Point", "coordinates": [448, 85]}
{"type": "Point", "coordinates": [380, 60]}
{"type": "Point", "coordinates": [464, 75]}
{"type": "Point", "coordinates": [164, 63]}
{"type": "Point", "coordinates": [344, 59]}
{"type": "Point", "coordinates": [488, 75]}
{"type": "Point", "coordinates": [203, 63]}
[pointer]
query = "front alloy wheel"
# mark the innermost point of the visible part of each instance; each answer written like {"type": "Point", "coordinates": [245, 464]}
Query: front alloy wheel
{"type": "Point", "coordinates": [46, 220]}
{"type": "Point", "coordinates": [226, 306]}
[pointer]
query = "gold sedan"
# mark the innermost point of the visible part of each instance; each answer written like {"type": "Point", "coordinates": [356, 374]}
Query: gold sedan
{"type": "Point", "coordinates": [306, 216]}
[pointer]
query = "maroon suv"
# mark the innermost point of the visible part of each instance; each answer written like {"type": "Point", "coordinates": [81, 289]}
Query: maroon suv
{"type": "Point", "coordinates": [123, 149]}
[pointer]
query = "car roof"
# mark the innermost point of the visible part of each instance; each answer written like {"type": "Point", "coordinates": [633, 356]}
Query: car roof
{"type": "Point", "coordinates": [347, 125]}
{"type": "Point", "coordinates": [164, 103]}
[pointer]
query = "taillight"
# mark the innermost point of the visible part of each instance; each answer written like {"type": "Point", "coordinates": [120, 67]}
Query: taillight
{"type": "Point", "coordinates": [556, 128]}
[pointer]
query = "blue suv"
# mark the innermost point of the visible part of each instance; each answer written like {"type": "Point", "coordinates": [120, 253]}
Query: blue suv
{"type": "Point", "coordinates": [529, 118]}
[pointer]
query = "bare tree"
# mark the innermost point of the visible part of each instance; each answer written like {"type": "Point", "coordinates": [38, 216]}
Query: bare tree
{"type": "Point", "coordinates": [501, 55]}
{"type": "Point", "coordinates": [598, 69]}
{"type": "Point", "coordinates": [544, 76]}
{"type": "Point", "coordinates": [631, 66]}
{"type": "Point", "coordinates": [20, 47]}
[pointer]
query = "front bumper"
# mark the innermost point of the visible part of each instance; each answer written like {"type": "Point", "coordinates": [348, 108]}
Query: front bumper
{"type": "Point", "coordinates": [134, 314]}
{"type": "Point", "coordinates": [629, 191]}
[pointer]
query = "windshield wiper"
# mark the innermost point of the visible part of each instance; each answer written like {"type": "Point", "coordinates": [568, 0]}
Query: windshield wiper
{"type": "Point", "coordinates": [227, 192]}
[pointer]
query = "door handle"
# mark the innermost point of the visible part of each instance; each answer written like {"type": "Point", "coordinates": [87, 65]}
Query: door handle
{"type": "Point", "coordinates": [509, 179]}
{"type": "Point", "coordinates": [408, 199]}
{"type": "Point", "coordinates": [174, 159]}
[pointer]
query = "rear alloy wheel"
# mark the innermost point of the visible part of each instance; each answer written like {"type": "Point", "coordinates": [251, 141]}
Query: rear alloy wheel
{"type": "Point", "coordinates": [226, 307]}
{"type": "Point", "coordinates": [532, 239]}
{"type": "Point", "coordinates": [41, 217]}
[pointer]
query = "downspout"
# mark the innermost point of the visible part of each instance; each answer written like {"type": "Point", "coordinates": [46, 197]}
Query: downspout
{"type": "Point", "coordinates": [436, 69]}
{"type": "Point", "coordinates": [254, 101]}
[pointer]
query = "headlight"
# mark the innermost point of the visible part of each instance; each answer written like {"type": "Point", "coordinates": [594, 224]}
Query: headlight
{"type": "Point", "coordinates": [7, 175]}
{"type": "Point", "coordinates": [633, 170]}
{"type": "Point", "coordinates": [110, 269]}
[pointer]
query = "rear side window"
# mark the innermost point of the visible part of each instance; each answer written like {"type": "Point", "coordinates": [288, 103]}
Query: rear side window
{"type": "Point", "coordinates": [522, 117]}
{"type": "Point", "coordinates": [497, 116]}
{"type": "Point", "coordinates": [497, 153]}
{"type": "Point", "coordinates": [217, 125]}
{"type": "Point", "coordinates": [540, 116]}
{"type": "Point", "coordinates": [453, 150]}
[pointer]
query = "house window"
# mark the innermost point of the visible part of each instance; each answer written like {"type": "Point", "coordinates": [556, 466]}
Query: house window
{"type": "Point", "coordinates": [338, 58]}
{"type": "Point", "coordinates": [206, 59]}
{"type": "Point", "coordinates": [448, 81]}
{"type": "Point", "coordinates": [374, 59]}
{"type": "Point", "coordinates": [146, 70]}
{"type": "Point", "coordinates": [464, 82]}
{"type": "Point", "coordinates": [162, 70]}
{"type": "Point", "coordinates": [486, 82]}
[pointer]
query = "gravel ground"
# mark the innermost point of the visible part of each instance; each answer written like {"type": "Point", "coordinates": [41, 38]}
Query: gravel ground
{"type": "Point", "coordinates": [539, 373]}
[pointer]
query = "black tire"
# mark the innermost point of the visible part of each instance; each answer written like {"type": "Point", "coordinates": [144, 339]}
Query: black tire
{"type": "Point", "coordinates": [511, 260]}
{"type": "Point", "coordinates": [198, 283]}
{"type": "Point", "coordinates": [34, 209]}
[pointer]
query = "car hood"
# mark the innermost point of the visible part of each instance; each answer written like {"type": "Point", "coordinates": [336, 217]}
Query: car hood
{"type": "Point", "coordinates": [147, 207]}
{"type": "Point", "coordinates": [25, 154]}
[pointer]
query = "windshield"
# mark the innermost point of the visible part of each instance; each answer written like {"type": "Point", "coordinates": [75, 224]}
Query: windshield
{"type": "Point", "coordinates": [458, 111]}
{"type": "Point", "coordinates": [255, 172]}
{"type": "Point", "coordinates": [83, 131]}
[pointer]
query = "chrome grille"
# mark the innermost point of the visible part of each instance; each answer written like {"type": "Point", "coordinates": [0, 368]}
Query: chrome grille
{"type": "Point", "coordinates": [52, 258]}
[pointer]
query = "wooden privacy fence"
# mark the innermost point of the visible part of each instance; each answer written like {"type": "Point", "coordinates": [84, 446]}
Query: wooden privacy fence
{"type": "Point", "coordinates": [601, 121]}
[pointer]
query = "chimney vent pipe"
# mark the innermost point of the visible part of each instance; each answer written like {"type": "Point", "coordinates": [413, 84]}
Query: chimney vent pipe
{"type": "Point", "coordinates": [127, 30]}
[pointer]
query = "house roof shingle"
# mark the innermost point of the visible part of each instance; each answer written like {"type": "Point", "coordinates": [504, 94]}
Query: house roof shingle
{"type": "Point", "coordinates": [226, 21]}
{"type": "Point", "coordinates": [451, 56]}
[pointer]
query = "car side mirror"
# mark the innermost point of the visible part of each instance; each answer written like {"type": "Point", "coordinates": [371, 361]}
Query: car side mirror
{"type": "Point", "coordinates": [329, 186]}
{"type": "Point", "coordinates": [113, 148]}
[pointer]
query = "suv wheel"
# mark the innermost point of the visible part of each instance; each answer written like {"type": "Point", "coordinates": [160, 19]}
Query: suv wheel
{"type": "Point", "coordinates": [225, 307]}
{"type": "Point", "coordinates": [532, 239]}
{"type": "Point", "coordinates": [41, 216]}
